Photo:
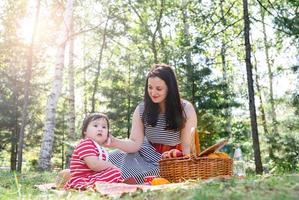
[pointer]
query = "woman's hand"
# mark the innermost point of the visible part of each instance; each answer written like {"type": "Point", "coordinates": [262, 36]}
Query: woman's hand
{"type": "Point", "coordinates": [109, 141]}
{"type": "Point", "coordinates": [132, 144]}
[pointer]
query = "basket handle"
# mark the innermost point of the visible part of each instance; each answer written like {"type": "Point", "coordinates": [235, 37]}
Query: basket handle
{"type": "Point", "coordinates": [194, 144]}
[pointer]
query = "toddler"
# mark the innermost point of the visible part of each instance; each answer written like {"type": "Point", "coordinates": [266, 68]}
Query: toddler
{"type": "Point", "coordinates": [89, 161]}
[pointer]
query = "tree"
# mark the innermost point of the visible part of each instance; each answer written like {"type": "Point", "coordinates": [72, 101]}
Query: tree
{"type": "Point", "coordinates": [150, 15]}
{"type": "Point", "coordinates": [254, 129]}
{"type": "Point", "coordinates": [288, 17]}
{"type": "Point", "coordinates": [99, 64]}
{"type": "Point", "coordinates": [71, 136]}
{"type": "Point", "coordinates": [49, 125]}
{"type": "Point", "coordinates": [188, 56]}
{"type": "Point", "coordinates": [259, 94]}
{"type": "Point", "coordinates": [11, 72]}
{"type": "Point", "coordinates": [270, 73]}
{"type": "Point", "coordinates": [26, 90]}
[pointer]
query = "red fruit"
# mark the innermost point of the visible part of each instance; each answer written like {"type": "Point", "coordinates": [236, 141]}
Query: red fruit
{"type": "Point", "coordinates": [175, 153]}
{"type": "Point", "coordinates": [165, 155]}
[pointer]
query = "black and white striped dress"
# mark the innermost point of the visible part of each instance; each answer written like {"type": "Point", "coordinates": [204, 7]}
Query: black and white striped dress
{"type": "Point", "coordinates": [145, 162]}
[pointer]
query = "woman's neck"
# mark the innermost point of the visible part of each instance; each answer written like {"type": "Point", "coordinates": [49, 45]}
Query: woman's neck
{"type": "Point", "coordinates": [162, 107]}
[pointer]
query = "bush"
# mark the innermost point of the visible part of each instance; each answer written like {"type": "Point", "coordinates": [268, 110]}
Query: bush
{"type": "Point", "coordinates": [285, 155]}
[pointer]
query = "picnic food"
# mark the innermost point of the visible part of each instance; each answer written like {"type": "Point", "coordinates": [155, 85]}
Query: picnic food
{"type": "Point", "coordinates": [173, 153]}
{"type": "Point", "coordinates": [165, 155]}
{"type": "Point", "coordinates": [159, 181]}
{"type": "Point", "coordinates": [218, 155]}
{"type": "Point", "coordinates": [198, 165]}
{"type": "Point", "coordinates": [222, 155]}
{"type": "Point", "coordinates": [148, 179]}
{"type": "Point", "coordinates": [213, 155]}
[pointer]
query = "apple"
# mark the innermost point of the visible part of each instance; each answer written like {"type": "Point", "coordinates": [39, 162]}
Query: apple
{"type": "Point", "coordinates": [175, 153]}
{"type": "Point", "coordinates": [165, 155]}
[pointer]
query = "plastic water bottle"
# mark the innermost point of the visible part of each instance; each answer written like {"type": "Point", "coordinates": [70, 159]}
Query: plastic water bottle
{"type": "Point", "coordinates": [239, 164]}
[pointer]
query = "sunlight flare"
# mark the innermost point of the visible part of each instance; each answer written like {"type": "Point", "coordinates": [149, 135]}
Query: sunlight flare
{"type": "Point", "coordinates": [26, 29]}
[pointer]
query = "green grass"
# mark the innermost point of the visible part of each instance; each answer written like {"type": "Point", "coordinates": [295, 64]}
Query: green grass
{"type": "Point", "coordinates": [286, 186]}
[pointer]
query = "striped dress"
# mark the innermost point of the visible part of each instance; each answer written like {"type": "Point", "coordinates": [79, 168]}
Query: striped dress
{"type": "Point", "coordinates": [82, 177]}
{"type": "Point", "coordinates": [145, 162]}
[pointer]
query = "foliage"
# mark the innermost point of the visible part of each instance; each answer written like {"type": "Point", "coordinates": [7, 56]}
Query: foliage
{"type": "Point", "coordinates": [295, 98]}
{"type": "Point", "coordinates": [12, 52]}
{"type": "Point", "coordinates": [202, 40]}
{"type": "Point", "coordinates": [288, 17]}
{"type": "Point", "coordinates": [285, 151]}
{"type": "Point", "coordinates": [211, 99]}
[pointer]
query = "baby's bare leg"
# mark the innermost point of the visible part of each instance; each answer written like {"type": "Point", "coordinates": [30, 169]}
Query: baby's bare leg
{"type": "Point", "coordinates": [62, 177]}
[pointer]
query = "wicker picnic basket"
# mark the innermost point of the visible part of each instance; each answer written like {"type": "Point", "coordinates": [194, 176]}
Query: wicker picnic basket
{"type": "Point", "coordinates": [197, 166]}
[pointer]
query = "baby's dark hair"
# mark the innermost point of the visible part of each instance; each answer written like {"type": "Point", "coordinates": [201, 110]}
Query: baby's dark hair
{"type": "Point", "coordinates": [91, 117]}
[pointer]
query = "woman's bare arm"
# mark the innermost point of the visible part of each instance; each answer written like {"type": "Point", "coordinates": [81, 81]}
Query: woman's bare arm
{"type": "Point", "coordinates": [135, 141]}
{"type": "Point", "coordinates": [191, 122]}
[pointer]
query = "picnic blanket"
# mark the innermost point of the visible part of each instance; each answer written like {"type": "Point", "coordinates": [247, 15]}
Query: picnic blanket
{"type": "Point", "coordinates": [118, 189]}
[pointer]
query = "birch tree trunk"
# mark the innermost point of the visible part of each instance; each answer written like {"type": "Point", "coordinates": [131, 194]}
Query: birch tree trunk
{"type": "Point", "coordinates": [26, 91]}
{"type": "Point", "coordinates": [254, 129]}
{"type": "Point", "coordinates": [71, 98]}
{"type": "Point", "coordinates": [47, 143]}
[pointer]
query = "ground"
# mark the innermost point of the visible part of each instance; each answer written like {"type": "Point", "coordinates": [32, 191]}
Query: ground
{"type": "Point", "coordinates": [282, 186]}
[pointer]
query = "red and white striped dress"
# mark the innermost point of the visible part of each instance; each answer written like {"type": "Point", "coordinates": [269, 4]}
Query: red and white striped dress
{"type": "Point", "coordinates": [82, 176]}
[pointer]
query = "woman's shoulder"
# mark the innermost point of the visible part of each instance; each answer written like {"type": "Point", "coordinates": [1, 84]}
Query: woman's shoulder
{"type": "Point", "coordinates": [187, 105]}
{"type": "Point", "coordinates": [140, 107]}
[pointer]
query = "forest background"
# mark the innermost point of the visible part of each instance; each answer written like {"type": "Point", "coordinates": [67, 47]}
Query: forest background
{"type": "Point", "coordinates": [61, 60]}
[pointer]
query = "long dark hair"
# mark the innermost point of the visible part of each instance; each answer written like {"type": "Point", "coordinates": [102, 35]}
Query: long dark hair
{"type": "Point", "coordinates": [91, 117]}
{"type": "Point", "coordinates": [175, 116]}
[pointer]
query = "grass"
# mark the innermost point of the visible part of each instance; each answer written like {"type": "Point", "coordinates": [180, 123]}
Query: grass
{"type": "Point", "coordinates": [285, 186]}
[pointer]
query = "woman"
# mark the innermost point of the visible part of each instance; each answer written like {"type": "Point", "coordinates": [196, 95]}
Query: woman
{"type": "Point", "coordinates": [163, 121]}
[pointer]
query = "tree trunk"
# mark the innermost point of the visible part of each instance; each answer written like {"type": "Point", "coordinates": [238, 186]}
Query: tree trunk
{"type": "Point", "coordinates": [26, 91]}
{"type": "Point", "coordinates": [254, 129]}
{"type": "Point", "coordinates": [152, 34]}
{"type": "Point", "coordinates": [227, 110]}
{"type": "Point", "coordinates": [71, 137]}
{"type": "Point", "coordinates": [85, 91]}
{"type": "Point", "coordinates": [47, 143]}
{"type": "Point", "coordinates": [64, 162]}
{"type": "Point", "coordinates": [15, 130]}
{"type": "Point", "coordinates": [13, 150]}
{"type": "Point", "coordinates": [163, 48]}
{"type": "Point", "coordinates": [189, 65]}
{"type": "Point", "coordinates": [85, 102]}
{"type": "Point", "coordinates": [129, 102]}
{"type": "Point", "coordinates": [95, 89]}
{"type": "Point", "coordinates": [259, 92]}
{"type": "Point", "coordinates": [270, 73]}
